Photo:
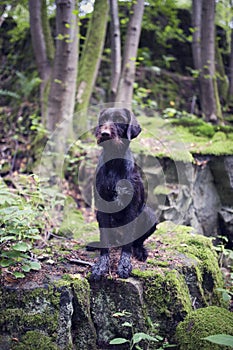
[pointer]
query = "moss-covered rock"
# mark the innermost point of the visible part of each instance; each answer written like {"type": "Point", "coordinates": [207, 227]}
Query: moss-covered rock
{"type": "Point", "coordinates": [202, 323]}
{"type": "Point", "coordinates": [36, 341]}
{"type": "Point", "coordinates": [47, 311]}
{"type": "Point", "coordinates": [181, 274]}
{"type": "Point", "coordinates": [111, 297]}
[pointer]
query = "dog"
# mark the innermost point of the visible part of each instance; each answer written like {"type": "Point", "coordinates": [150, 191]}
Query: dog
{"type": "Point", "coordinates": [123, 217]}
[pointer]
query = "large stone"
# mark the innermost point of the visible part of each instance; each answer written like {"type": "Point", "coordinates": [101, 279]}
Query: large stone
{"type": "Point", "coordinates": [202, 323]}
{"type": "Point", "coordinates": [192, 193]}
{"type": "Point", "coordinates": [181, 274]}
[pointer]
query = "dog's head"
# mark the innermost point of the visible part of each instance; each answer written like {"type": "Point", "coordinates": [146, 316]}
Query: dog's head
{"type": "Point", "coordinates": [118, 125]}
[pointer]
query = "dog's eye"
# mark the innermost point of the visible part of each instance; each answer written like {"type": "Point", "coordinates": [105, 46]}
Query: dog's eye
{"type": "Point", "coordinates": [119, 120]}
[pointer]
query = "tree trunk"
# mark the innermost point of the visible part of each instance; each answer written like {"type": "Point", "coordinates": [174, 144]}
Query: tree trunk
{"type": "Point", "coordinates": [39, 47]}
{"type": "Point", "coordinates": [63, 84]}
{"type": "Point", "coordinates": [125, 88]}
{"type": "Point", "coordinates": [90, 60]}
{"type": "Point", "coordinates": [196, 43]}
{"type": "Point", "coordinates": [209, 93]}
{"type": "Point", "coordinates": [115, 49]}
{"type": "Point", "coordinates": [50, 49]}
{"type": "Point", "coordinates": [230, 94]}
{"type": "Point", "coordinates": [223, 82]}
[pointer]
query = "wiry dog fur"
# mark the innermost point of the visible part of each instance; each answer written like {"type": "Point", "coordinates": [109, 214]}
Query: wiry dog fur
{"type": "Point", "coordinates": [123, 218]}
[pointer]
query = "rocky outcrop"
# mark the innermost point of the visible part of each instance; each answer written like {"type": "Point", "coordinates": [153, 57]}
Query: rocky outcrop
{"type": "Point", "coordinates": [199, 194]}
{"type": "Point", "coordinates": [181, 275]}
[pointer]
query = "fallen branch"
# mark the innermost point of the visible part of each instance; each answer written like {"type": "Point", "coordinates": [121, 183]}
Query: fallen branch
{"type": "Point", "coordinates": [80, 262]}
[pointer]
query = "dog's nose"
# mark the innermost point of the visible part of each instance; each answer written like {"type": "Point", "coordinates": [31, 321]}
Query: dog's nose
{"type": "Point", "coordinates": [105, 132]}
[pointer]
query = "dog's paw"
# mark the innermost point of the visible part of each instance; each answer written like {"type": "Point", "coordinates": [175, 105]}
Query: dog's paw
{"type": "Point", "coordinates": [140, 253]}
{"type": "Point", "coordinates": [124, 267]}
{"type": "Point", "coordinates": [100, 268]}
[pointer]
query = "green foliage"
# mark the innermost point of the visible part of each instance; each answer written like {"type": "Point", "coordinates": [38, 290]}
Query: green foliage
{"type": "Point", "coordinates": [221, 339]}
{"type": "Point", "coordinates": [141, 99]}
{"type": "Point", "coordinates": [20, 227]}
{"type": "Point", "coordinates": [161, 18]}
{"type": "Point", "coordinates": [27, 84]}
{"type": "Point", "coordinates": [20, 14]}
{"type": "Point", "coordinates": [137, 337]}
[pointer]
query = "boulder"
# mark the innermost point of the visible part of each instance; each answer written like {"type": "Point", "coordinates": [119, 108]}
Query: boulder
{"type": "Point", "coordinates": [71, 312]}
{"type": "Point", "coordinates": [202, 323]}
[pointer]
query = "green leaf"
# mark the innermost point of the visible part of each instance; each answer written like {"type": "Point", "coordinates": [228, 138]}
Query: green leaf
{"type": "Point", "coordinates": [142, 336]}
{"type": "Point", "coordinates": [118, 341]}
{"type": "Point", "coordinates": [221, 339]}
{"type": "Point", "coordinates": [6, 262]}
{"type": "Point", "coordinates": [21, 247]}
{"type": "Point", "coordinates": [26, 268]}
{"type": "Point", "coordinates": [35, 265]}
{"type": "Point", "coordinates": [18, 274]}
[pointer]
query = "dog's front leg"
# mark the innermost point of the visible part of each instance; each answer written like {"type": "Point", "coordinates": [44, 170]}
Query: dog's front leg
{"type": "Point", "coordinates": [124, 266]}
{"type": "Point", "coordinates": [102, 266]}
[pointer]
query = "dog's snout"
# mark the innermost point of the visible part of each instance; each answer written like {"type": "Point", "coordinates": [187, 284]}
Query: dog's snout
{"type": "Point", "coordinates": [105, 132]}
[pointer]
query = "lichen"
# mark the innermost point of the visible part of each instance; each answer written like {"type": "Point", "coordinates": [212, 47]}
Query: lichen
{"type": "Point", "coordinates": [202, 323]}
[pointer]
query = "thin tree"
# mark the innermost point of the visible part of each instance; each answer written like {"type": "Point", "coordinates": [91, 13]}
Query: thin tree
{"type": "Point", "coordinates": [90, 59]}
{"type": "Point", "coordinates": [125, 86]}
{"type": "Point", "coordinates": [230, 93]}
{"type": "Point", "coordinates": [115, 48]}
{"type": "Point", "coordinates": [58, 72]}
{"type": "Point", "coordinates": [63, 83]}
{"type": "Point", "coordinates": [204, 58]}
{"type": "Point", "coordinates": [39, 28]}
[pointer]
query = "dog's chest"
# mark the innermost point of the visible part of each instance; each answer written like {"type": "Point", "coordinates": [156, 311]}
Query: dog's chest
{"type": "Point", "coordinates": [113, 182]}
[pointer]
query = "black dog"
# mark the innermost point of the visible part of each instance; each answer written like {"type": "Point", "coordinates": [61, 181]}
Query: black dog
{"type": "Point", "coordinates": [123, 218]}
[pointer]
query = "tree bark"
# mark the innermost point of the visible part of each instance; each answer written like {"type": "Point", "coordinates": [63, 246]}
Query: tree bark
{"type": "Point", "coordinates": [125, 88]}
{"type": "Point", "coordinates": [196, 43]}
{"type": "Point", "coordinates": [230, 94]}
{"type": "Point", "coordinates": [90, 60]}
{"type": "Point", "coordinates": [208, 93]}
{"type": "Point", "coordinates": [39, 47]}
{"type": "Point", "coordinates": [63, 84]}
{"type": "Point", "coordinates": [115, 49]}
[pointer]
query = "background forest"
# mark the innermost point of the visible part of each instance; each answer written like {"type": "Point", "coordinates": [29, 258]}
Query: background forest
{"type": "Point", "coordinates": [170, 61]}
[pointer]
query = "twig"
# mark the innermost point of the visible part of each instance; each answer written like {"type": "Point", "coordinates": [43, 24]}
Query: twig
{"type": "Point", "coordinates": [80, 262]}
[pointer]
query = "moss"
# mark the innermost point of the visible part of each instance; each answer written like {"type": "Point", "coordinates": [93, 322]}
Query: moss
{"type": "Point", "coordinates": [74, 225]}
{"type": "Point", "coordinates": [202, 323]}
{"type": "Point", "coordinates": [202, 255]}
{"type": "Point", "coordinates": [84, 334]}
{"type": "Point", "coordinates": [36, 341]}
{"type": "Point", "coordinates": [166, 296]}
{"type": "Point", "coordinates": [36, 309]}
{"type": "Point", "coordinates": [181, 138]}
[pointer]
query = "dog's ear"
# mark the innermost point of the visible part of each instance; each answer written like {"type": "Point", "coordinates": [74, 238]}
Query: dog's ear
{"type": "Point", "coordinates": [134, 128]}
